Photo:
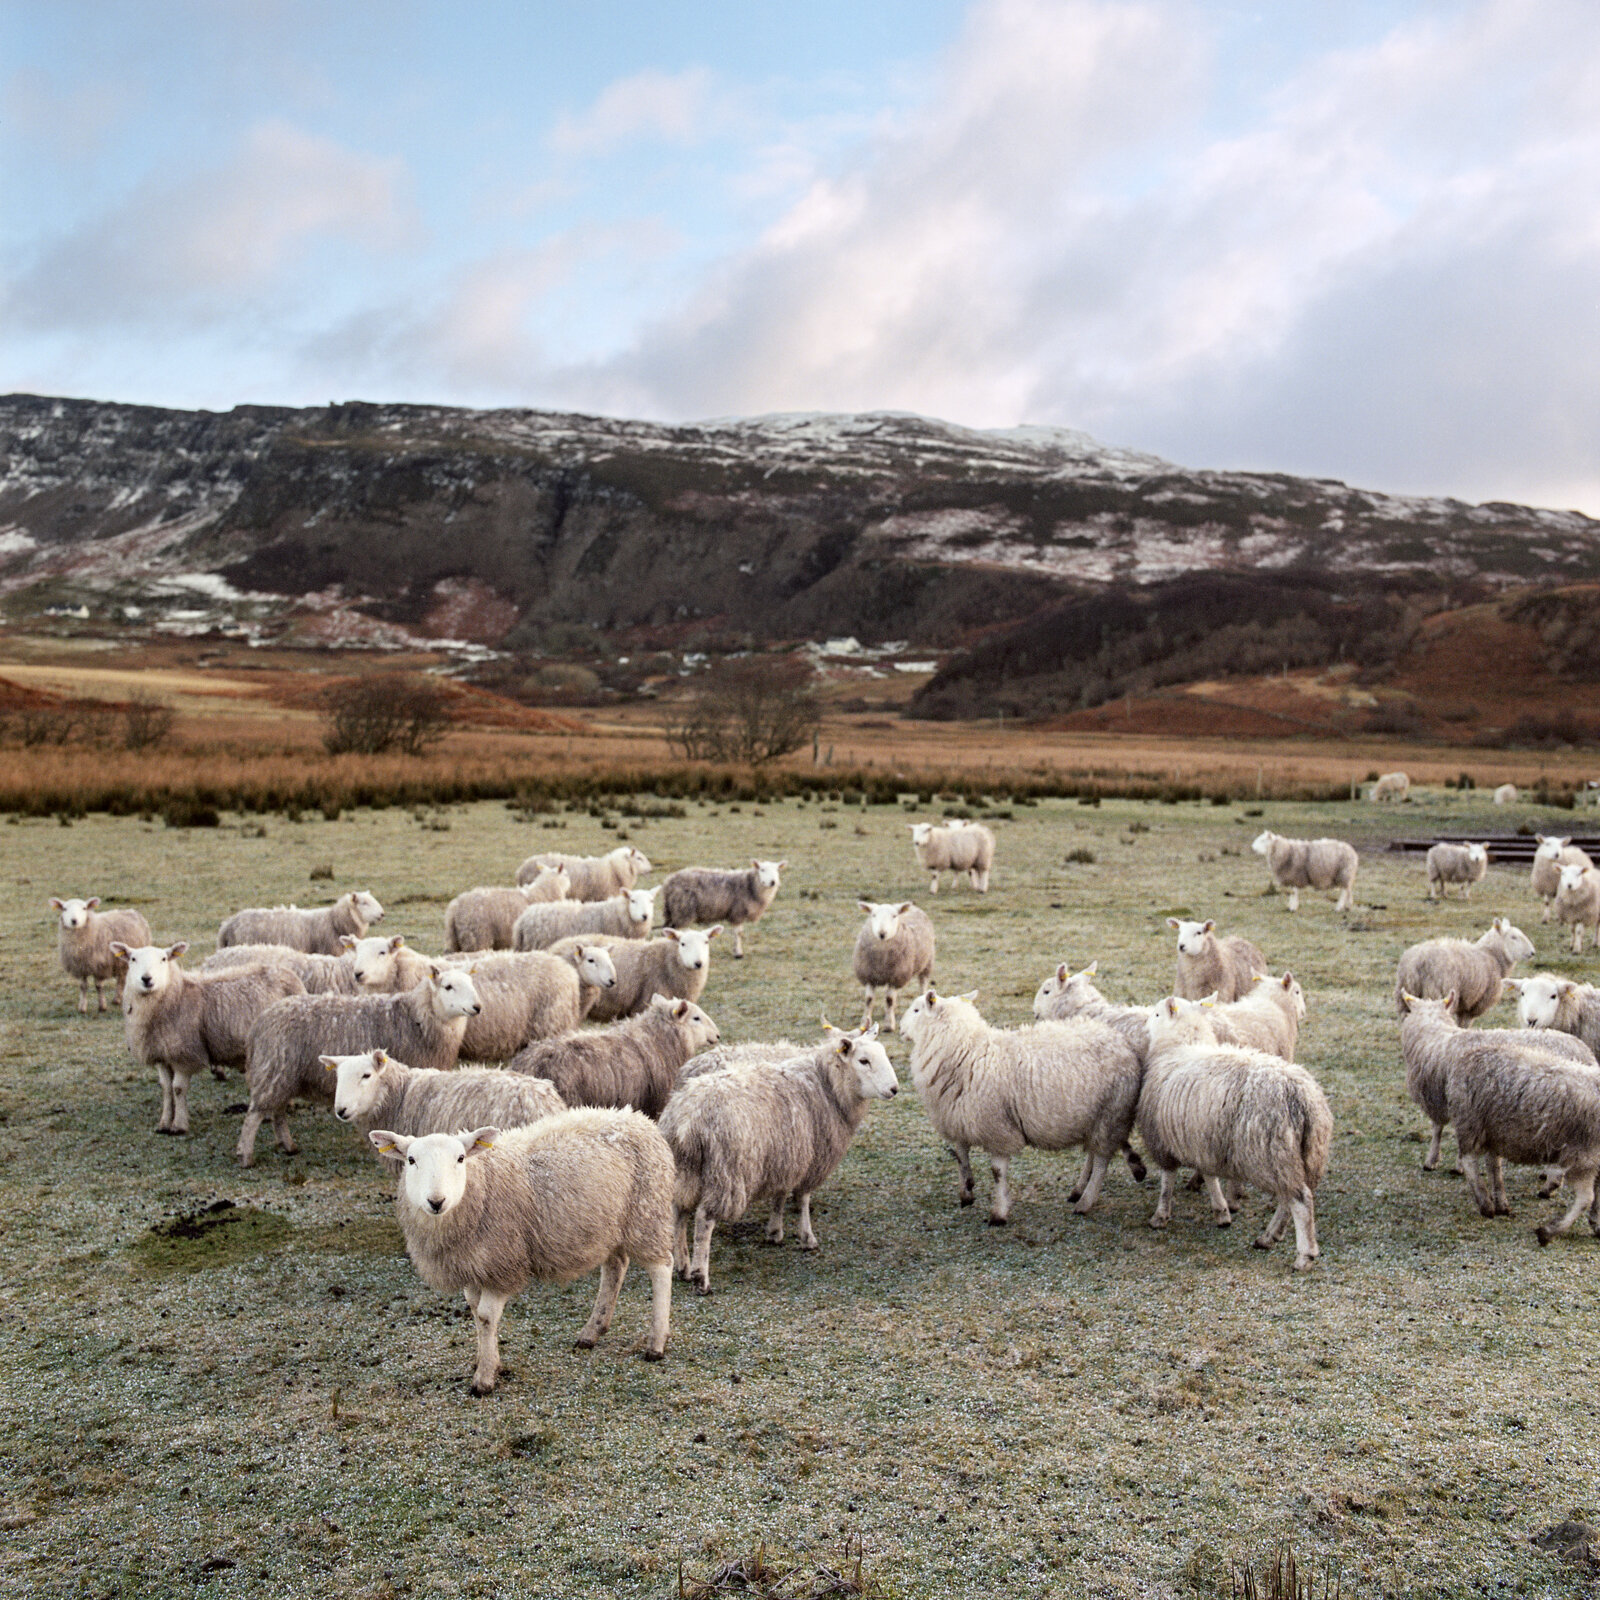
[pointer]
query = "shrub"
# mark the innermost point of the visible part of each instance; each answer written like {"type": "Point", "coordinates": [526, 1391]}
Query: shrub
{"type": "Point", "coordinates": [146, 723]}
{"type": "Point", "coordinates": [753, 710]}
{"type": "Point", "coordinates": [391, 711]}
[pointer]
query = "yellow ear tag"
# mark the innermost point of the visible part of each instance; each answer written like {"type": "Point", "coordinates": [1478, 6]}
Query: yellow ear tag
{"type": "Point", "coordinates": [384, 1149]}
{"type": "Point", "coordinates": [484, 1144]}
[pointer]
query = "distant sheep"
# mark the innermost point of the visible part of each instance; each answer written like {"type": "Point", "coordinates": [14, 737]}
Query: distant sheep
{"type": "Point", "coordinates": [1578, 903]}
{"type": "Point", "coordinates": [710, 894]}
{"type": "Point", "coordinates": [182, 1023]}
{"type": "Point", "coordinates": [956, 847]}
{"type": "Point", "coordinates": [677, 965]}
{"type": "Point", "coordinates": [632, 1063]}
{"type": "Point", "coordinates": [1052, 1086]}
{"type": "Point", "coordinates": [625, 916]}
{"type": "Point", "coordinates": [287, 1042]}
{"type": "Point", "coordinates": [1473, 971]}
{"type": "Point", "coordinates": [1233, 1115]}
{"type": "Point", "coordinates": [763, 1130]}
{"type": "Point", "coordinates": [894, 950]}
{"type": "Point", "coordinates": [1207, 965]}
{"type": "Point", "coordinates": [1465, 864]}
{"type": "Point", "coordinates": [1506, 795]}
{"type": "Point", "coordinates": [486, 1212]}
{"type": "Point", "coordinates": [1551, 856]}
{"type": "Point", "coordinates": [592, 877]}
{"type": "Point", "coordinates": [1298, 864]}
{"type": "Point", "coordinates": [84, 938]}
{"type": "Point", "coordinates": [317, 931]}
{"type": "Point", "coordinates": [482, 919]}
{"type": "Point", "coordinates": [1391, 786]}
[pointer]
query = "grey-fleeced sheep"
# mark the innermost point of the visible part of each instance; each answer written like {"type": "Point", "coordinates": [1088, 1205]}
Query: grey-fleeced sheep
{"type": "Point", "coordinates": [592, 877]}
{"type": "Point", "coordinates": [1512, 1099]}
{"type": "Point", "coordinates": [182, 1023]}
{"type": "Point", "coordinates": [1207, 965]}
{"type": "Point", "coordinates": [320, 974]}
{"type": "Point", "coordinates": [731, 897]}
{"type": "Point", "coordinates": [1052, 1085]}
{"type": "Point", "coordinates": [482, 918]}
{"type": "Point", "coordinates": [1427, 1076]}
{"type": "Point", "coordinates": [763, 1130]}
{"type": "Point", "coordinates": [632, 1063]}
{"type": "Point", "coordinates": [894, 950]}
{"type": "Point", "coordinates": [956, 847]}
{"type": "Point", "coordinates": [1234, 1115]}
{"type": "Point", "coordinates": [1474, 970]}
{"type": "Point", "coordinates": [317, 931]}
{"type": "Point", "coordinates": [1578, 903]}
{"type": "Point", "coordinates": [1546, 1001]}
{"type": "Point", "coordinates": [1551, 856]}
{"type": "Point", "coordinates": [1297, 864]}
{"type": "Point", "coordinates": [487, 1212]}
{"type": "Point", "coordinates": [373, 1090]}
{"type": "Point", "coordinates": [1506, 795]}
{"type": "Point", "coordinates": [283, 1062]}
{"type": "Point", "coordinates": [626, 916]}
{"type": "Point", "coordinates": [1391, 786]}
{"type": "Point", "coordinates": [677, 964]}
{"type": "Point", "coordinates": [84, 937]}
{"type": "Point", "coordinates": [1465, 864]}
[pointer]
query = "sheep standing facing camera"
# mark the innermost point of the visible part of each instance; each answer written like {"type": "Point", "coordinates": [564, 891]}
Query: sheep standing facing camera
{"type": "Point", "coordinates": [894, 950]}
{"type": "Point", "coordinates": [1207, 965]}
{"type": "Point", "coordinates": [84, 938]}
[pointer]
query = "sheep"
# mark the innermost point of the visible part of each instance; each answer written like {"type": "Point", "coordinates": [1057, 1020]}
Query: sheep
{"type": "Point", "coordinates": [1511, 1100]}
{"type": "Point", "coordinates": [374, 1090]}
{"type": "Point", "coordinates": [1391, 786]}
{"type": "Point", "coordinates": [1225, 967]}
{"type": "Point", "coordinates": [1546, 1001]}
{"type": "Point", "coordinates": [626, 916]}
{"type": "Point", "coordinates": [632, 1063]}
{"type": "Point", "coordinates": [893, 949]}
{"type": "Point", "coordinates": [720, 1057]}
{"type": "Point", "coordinates": [1237, 1115]}
{"type": "Point", "coordinates": [764, 1130]}
{"type": "Point", "coordinates": [1551, 856]}
{"type": "Point", "coordinates": [677, 964]}
{"type": "Point", "coordinates": [731, 898]}
{"type": "Point", "coordinates": [1072, 994]}
{"type": "Point", "coordinates": [1506, 795]}
{"type": "Point", "coordinates": [317, 932]}
{"type": "Point", "coordinates": [1578, 903]}
{"type": "Point", "coordinates": [1427, 1077]}
{"type": "Point", "coordinates": [1267, 1019]}
{"type": "Point", "coordinates": [1298, 864]}
{"type": "Point", "coordinates": [1475, 970]}
{"type": "Point", "coordinates": [283, 1058]}
{"type": "Point", "coordinates": [320, 974]}
{"type": "Point", "coordinates": [523, 994]}
{"type": "Point", "coordinates": [482, 919]}
{"type": "Point", "coordinates": [485, 1212]}
{"type": "Point", "coordinates": [592, 877]}
{"type": "Point", "coordinates": [84, 938]}
{"type": "Point", "coordinates": [1465, 864]}
{"type": "Point", "coordinates": [956, 847]}
{"type": "Point", "coordinates": [1052, 1085]}
{"type": "Point", "coordinates": [184, 1022]}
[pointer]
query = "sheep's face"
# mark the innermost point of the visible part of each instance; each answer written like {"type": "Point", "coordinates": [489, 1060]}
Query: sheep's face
{"type": "Point", "coordinates": [1442, 1010]}
{"type": "Point", "coordinates": [915, 1016]}
{"type": "Point", "coordinates": [374, 960]}
{"type": "Point", "coordinates": [1078, 987]}
{"type": "Point", "coordinates": [150, 968]}
{"type": "Point", "coordinates": [596, 968]}
{"type": "Point", "coordinates": [457, 995]}
{"type": "Point", "coordinates": [367, 907]}
{"type": "Point", "coordinates": [1571, 879]}
{"type": "Point", "coordinates": [921, 832]}
{"type": "Point", "coordinates": [1176, 1021]}
{"type": "Point", "coordinates": [875, 1076]}
{"type": "Point", "coordinates": [642, 906]}
{"type": "Point", "coordinates": [359, 1084]}
{"type": "Point", "coordinates": [699, 1031]}
{"type": "Point", "coordinates": [1540, 999]}
{"type": "Point", "coordinates": [1262, 842]}
{"type": "Point", "coordinates": [1477, 853]}
{"type": "Point", "coordinates": [1550, 849]}
{"type": "Point", "coordinates": [1290, 985]}
{"type": "Point", "coordinates": [638, 860]}
{"type": "Point", "coordinates": [434, 1176]}
{"type": "Point", "coordinates": [1191, 935]}
{"type": "Point", "coordinates": [694, 946]}
{"type": "Point", "coordinates": [75, 913]}
{"type": "Point", "coordinates": [767, 873]}
{"type": "Point", "coordinates": [884, 920]}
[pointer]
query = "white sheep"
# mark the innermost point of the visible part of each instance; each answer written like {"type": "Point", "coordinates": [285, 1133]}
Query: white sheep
{"type": "Point", "coordinates": [487, 1212]}
{"type": "Point", "coordinates": [482, 918]}
{"type": "Point", "coordinates": [1052, 1086]}
{"type": "Point", "coordinates": [1391, 786]}
{"type": "Point", "coordinates": [1234, 1115]}
{"type": "Point", "coordinates": [894, 949]}
{"type": "Point", "coordinates": [320, 974]}
{"type": "Point", "coordinates": [627, 916]}
{"type": "Point", "coordinates": [1506, 795]}
{"type": "Point", "coordinates": [1298, 864]}
{"type": "Point", "coordinates": [592, 877]}
{"type": "Point", "coordinates": [1066, 993]}
{"type": "Point", "coordinates": [1546, 1001]}
{"type": "Point", "coordinates": [317, 931]}
{"type": "Point", "coordinates": [84, 937]}
{"type": "Point", "coordinates": [1578, 903]}
{"type": "Point", "coordinates": [956, 847]}
{"type": "Point", "coordinates": [764, 1130]}
{"type": "Point", "coordinates": [1465, 864]}
{"type": "Point", "coordinates": [1551, 856]}
{"type": "Point", "coordinates": [1475, 971]}
{"type": "Point", "coordinates": [677, 964]}
{"type": "Point", "coordinates": [1207, 965]}
{"type": "Point", "coordinates": [730, 898]}
{"type": "Point", "coordinates": [1267, 1018]}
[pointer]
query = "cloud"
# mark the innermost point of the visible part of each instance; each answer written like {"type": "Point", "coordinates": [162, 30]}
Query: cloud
{"type": "Point", "coordinates": [183, 251]}
{"type": "Point", "coordinates": [670, 107]}
{"type": "Point", "coordinates": [68, 125]}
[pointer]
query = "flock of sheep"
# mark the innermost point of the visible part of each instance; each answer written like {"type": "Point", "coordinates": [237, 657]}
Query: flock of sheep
{"type": "Point", "coordinates": [616, 1119]}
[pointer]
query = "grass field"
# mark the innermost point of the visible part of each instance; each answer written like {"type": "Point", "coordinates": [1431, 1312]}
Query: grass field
{"type": "Point", "coordinates": [265, 1400]}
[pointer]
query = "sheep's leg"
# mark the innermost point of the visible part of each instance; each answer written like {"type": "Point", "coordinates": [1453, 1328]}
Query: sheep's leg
{"type": "Point", "coordinates": [1550, 1182]}
{"type": "Point", "coordinates": [890, 997]}
{"type": "Point", "coordinates": [1000, 1207]}
{"type": "Point", "coordinates": [1163, 1212]}
{"type": "Point", "coordinates": [1194, 1183]}
{"type": "Point", "coordinates": [179, 1079]}
{"type": "Point", "coordinates": [1433, 888]}
{"type": "Point", "coordinates": [1546, 916]}
{"type": "Point", "coordinates": [1097, 1176]}
{"type": "Point", "coordinates": [1136, 1167]}
{"type": "Point", "coordinates": [680, 1245]}
{"type": "Point", "coordinates": [808, 1238]}
{"type": "Point", "coordinates": [1220, 1211]}
{"type": "Point", "coordinates": [700, 1262]}
{"type": "Point", "coordinates": [1234, 1191]}
{"type": "Point", "coordinates": [963, 1155]}
{"type": "Point", "coordinates": [1469, 1166]}
{"type": "Point", "coordinates": [612, 1273]}
{"type": "Point", "coordinates": [775, 1221]}
{"type": "Point", "coordinates": [83, 996]}
{"type": "Point", "coordinates": [246, 1148]}
{"type": "Point", "coordinates": [1347, 899]}
{"type": "Point", "coordinates": [1076, 1192]}
{"type": "Point", "coordinates": [1431, 1160]}
{"type": "Point", "coordinates": [164, 1075]}
{"type": "Point", "coordinates": [660, 1310]}
{"type": "Point", "coordinates": [280, 1126]}
{"type": "Point", "coordinates": [1305, 1229]}
{"type": "Point", "coordinates": [1577, 938]}
{"type": "Point", "coordinates": [100, 994]}
{"type": "Point", "coordinates": [983, 881]}
{"type": "Point", "coordinates": [1497, 1186]}
{"type": "Point", "coordinates": [936, 883]}
{"type": "Point", "coordinates": [1276, 1224]}
{"type": "Point", "coordinates": [1294, 899]}
{"type": "Point", "coordinates": [1583, 1199]}
{"type": "Point", "coordinates": [866, 1010]}
{"type": "Point", "coordinates": [738, 944]}
{"type": "Point", "coordinates": [486, 1320]}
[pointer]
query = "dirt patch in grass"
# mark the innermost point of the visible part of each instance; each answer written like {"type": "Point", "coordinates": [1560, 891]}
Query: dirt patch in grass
{"type": "Point", "coordinates": [209, 1236]}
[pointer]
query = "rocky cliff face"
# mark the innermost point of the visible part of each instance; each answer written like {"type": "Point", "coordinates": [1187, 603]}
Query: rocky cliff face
{"type": "Point", "coordinates": [389, 522]}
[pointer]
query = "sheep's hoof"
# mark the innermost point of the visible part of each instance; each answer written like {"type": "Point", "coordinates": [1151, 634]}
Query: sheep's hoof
{"type": "Point", "coordinates": [1485, 1211]}
{"type": "Point", "coordinates": [583, 1343]}
{"type": "Point", "coordinates": [1223, 1222]}
{"type": "Point", "coordinates": [1304, 1263]}
{"type": "Point", "coordinates": [162, 1128]}
{"type": "Point", "coordinates": [1262, 1243]}
{"type": "Point", "coordinates": [1158, 1222]}
{"type": "Point", "coordinates": [809, 1244]}
{"type": "Point", "coordinates": [998, 1222]}
{"type": "Point", "coordinates": [772, 1238]}
{"type": "Point", "coordinates": [1138, 1171]}
{"type": "Point", "coordinates": [1542, 1234]}
{"type": "Point", "coordinates": [479, 1390]}
{"type": "Point", "coordinates": [1429, 1166]}
{"type": "Point", "coordinates": [1075, 1196]}
{"type": "Point", "coordinates": [1504, 1211]}
{"type": "Point", "coordinates": [965, 1200]}
{"type": "Point", "coordinates": [651, 1355]}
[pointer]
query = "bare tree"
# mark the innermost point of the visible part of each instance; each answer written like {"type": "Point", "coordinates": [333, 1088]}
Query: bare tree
{"type": "Point", "coordinates": [146, 722]}
{"type": "Point", "coordinates": [389, 711]}
{"type": "Point", "coordinates": [752, 710]}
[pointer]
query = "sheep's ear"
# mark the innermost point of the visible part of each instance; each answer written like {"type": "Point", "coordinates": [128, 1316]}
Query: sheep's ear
{"type": "Point", "coordinates": [827, 1027]}
{"type": "Point", "coordinates": [670, 933]}
{"type": "Point", "coordinates": [1407, 1000]}
{"type": "Point", "coordinates": [755, 861]}
{"type": "Point", "coordinates": [1287, 980]}
{"type": "Point", "coordinates": [1569, 990]}
{"type": "Point", "coordinates": [1209, 1001]}
{"type": "Point", "coordinates": [713, 930]}
{"type": "Point", "coordinates": [57, 903]}
{"type": "Point", "coordinates": [1090, 970]}
{"type": "Point", "coordinates": [1451, 999]}
{"type": "Point", "coordinates": [1171, 1005]}
{"type": "Point", "coordinates": [435, 971]}
{"type": "Point", "coordinates": [680, 1009]}
{"type": "Point", "coordinates": [782, 865]}
{"type": "Point", "coordinates": [1061, 973]}
{"type": "Point", "coordinates": [861, 905]}
{"type": "Point", "coordinates": [176, 950]}
{"type": "Point", "coordinates": [330, 1063]}
{"type": "Point", "coordinates": [1513, 984]}
{"type": "Point", "coordinates": [969, 996]}
{"type": "Point", "coordinates": [118, 948]}
{"type": "Point", "coordinates": [661, 1002]}
{"type": "Point", "coordinates": [92, 901]}
{"type": "Point", "coordinates": [932, 997]}
{"type": "Point", "coordinates": [1211, 922]}
{"type": "Point", "coordinates": [901, 909]}
{"type": "Point", "coordinates": [347, 941]}
{"type": "Point", "coordinates": [389, 1144]}
{"type": "Point", "coordinates": [479, 1140]}
{"type": "Point", "coordinates": [397, 941]}
{"type": "Point", "coordinates": [380, 1057]}
{"type": "Point", "coordinates": [1172, 922]}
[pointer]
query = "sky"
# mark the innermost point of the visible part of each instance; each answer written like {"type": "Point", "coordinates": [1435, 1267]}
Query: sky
{"type": "Point", "coordinates": [1356, 239]}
